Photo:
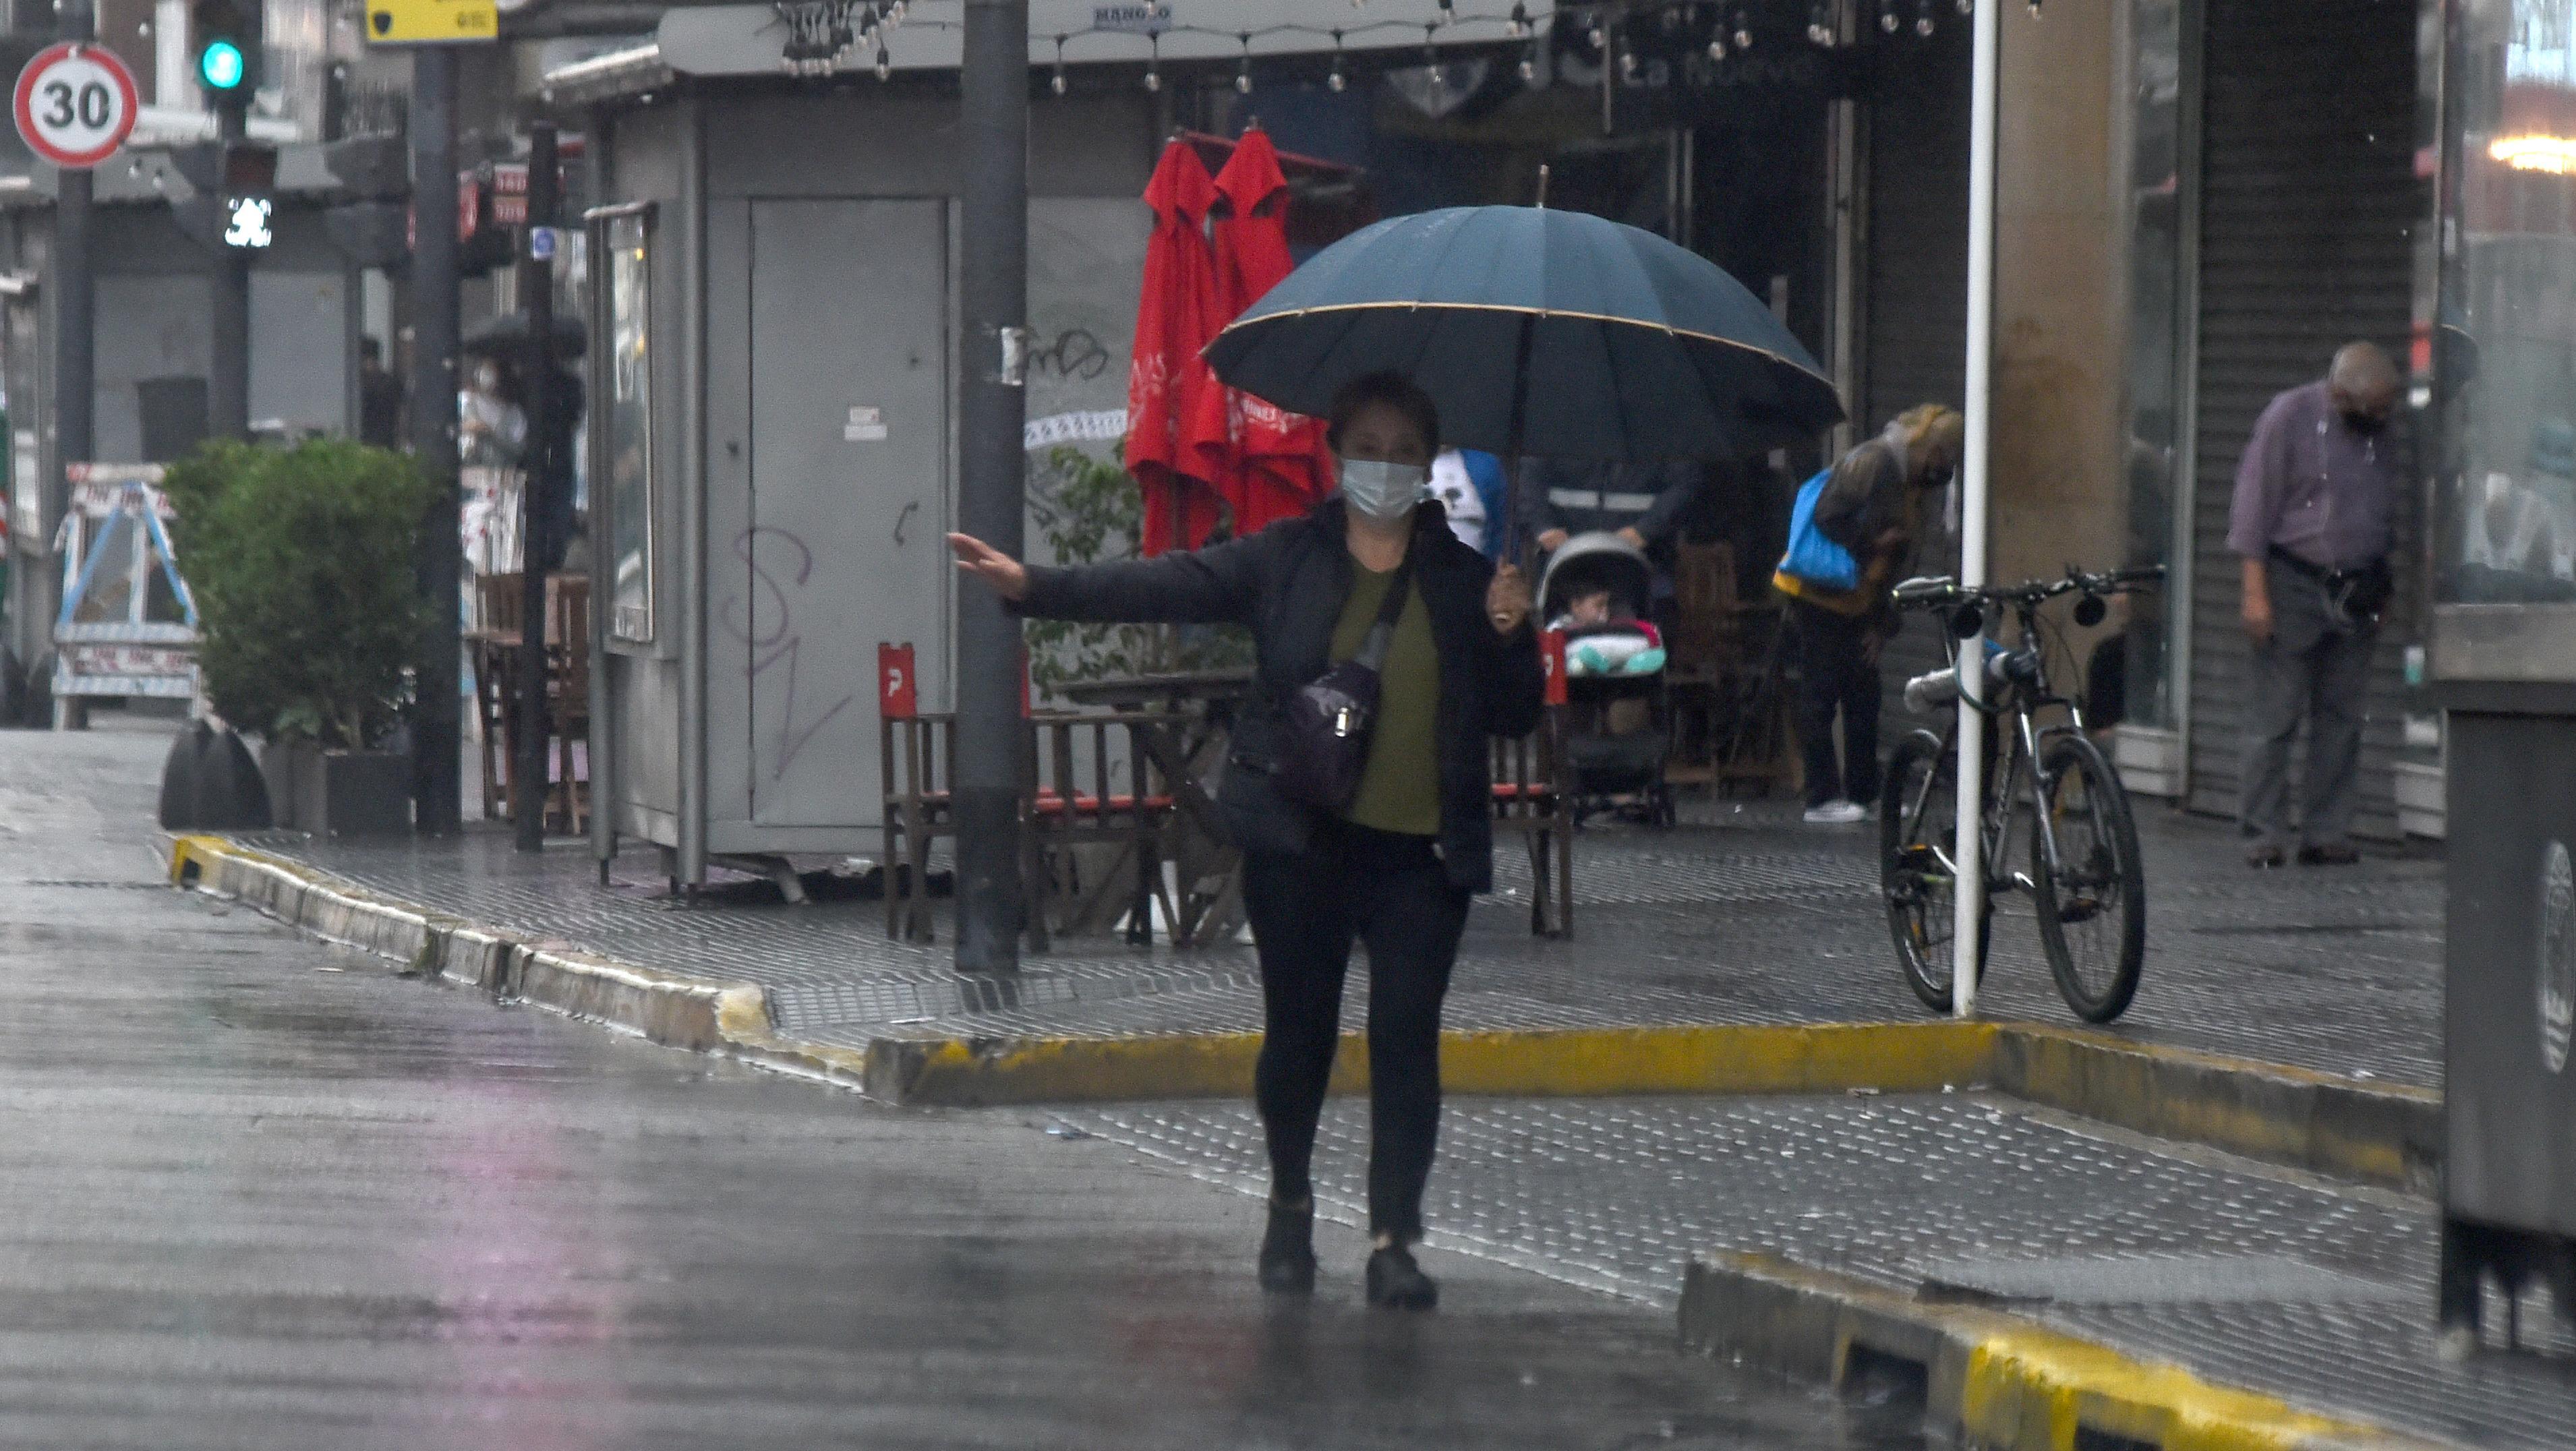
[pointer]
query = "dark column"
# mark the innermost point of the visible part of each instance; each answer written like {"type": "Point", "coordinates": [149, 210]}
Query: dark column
{"type": "Point", "coordinates": [542, 478]}
{"type": "Point", "coordinates": [228, 325]}
{"type": "Point", "coordinates": [991, 410]}
{"type": "Point", "coordinates": [75, 346]}
{"type": "Point", "coordinates": [436, 739]}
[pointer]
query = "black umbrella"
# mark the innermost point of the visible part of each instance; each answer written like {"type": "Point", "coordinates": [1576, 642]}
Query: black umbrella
{"type": "Point", "coordinates": [1558, 334]}
{"type": "Point", "coordinates": [507, 336]}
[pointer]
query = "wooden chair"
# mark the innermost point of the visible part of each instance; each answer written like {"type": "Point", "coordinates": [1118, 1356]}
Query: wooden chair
{"type": "Point", "coordinates": [568, 698]}
{"type": "Point", "coordinates": [1073, 806]}
{"type": "Point", "coordinates": [496, 639]}
{"type": "Point", "coordinates": [489, 640]}
{"type": "Point", "coordinates": [919, 764]}
{"type": "Point", "coordinates": [1530, 797]}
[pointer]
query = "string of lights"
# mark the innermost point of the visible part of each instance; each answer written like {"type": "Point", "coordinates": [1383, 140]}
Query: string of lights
{"type": "Point", "coordinates": [821, 33]}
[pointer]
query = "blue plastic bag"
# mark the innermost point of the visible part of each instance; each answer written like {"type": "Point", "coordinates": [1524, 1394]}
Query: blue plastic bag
{"type": "Point", "coordinates": [1812, 557]}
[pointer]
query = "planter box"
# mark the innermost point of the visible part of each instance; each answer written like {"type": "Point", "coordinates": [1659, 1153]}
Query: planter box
{"type": "Point", "coordinates": [2422, 800]}
{"type": "Point", "coordinates": [2149, 760]}
{"type": "Point", "coordinates": [338, 793]}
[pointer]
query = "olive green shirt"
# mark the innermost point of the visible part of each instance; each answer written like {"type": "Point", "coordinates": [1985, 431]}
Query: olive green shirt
{"type": "Point", "coordinates": [1400, 785]}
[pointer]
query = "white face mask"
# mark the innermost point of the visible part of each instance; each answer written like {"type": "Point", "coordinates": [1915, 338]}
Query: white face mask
{"type": "Point", "coordinates": [1383, 491]}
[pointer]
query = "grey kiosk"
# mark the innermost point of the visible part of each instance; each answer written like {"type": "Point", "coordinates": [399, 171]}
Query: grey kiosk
{"type": "Point", "coordinates": [772, 439]}
{"type": "Point", "coordinates": [2502, 654]}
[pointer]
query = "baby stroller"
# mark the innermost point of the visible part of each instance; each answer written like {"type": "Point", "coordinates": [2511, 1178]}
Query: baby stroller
{"type": "Point", "coordinates": [1619, 729]}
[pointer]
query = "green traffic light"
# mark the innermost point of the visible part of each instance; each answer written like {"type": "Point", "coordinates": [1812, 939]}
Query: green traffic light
{"type": "Point", "coordinates": [220, 65]}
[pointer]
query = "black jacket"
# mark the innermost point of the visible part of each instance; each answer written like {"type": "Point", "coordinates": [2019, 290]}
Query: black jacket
{"type": "Point", "coordinates": [1288, 583]}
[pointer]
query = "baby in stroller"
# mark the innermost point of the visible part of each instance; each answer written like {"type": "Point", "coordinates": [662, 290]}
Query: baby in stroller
{"type": "Point", "coordinates": [1603, 636]}
{"type": "Point", "coordinates": [1595, 592]}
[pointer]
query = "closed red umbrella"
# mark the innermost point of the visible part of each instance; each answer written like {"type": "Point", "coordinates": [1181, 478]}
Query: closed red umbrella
{"type": "Point", "coordinates": [1176, 315]}
{"type": "Point", "coordinates": [1269, 464]}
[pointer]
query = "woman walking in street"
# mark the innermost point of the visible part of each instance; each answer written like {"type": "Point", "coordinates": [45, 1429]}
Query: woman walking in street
{"type": "Point", "coordinates": [1374, 576]}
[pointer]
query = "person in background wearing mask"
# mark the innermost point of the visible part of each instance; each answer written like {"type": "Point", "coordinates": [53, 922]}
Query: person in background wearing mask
{"type": "Point", "coordinates": [1394, 869]}
{"type": "Point", "coordinates": [491, 428]}
{"type": "Point", "coordinates": [1874, 505]}
{"type": "Point", "coordinates": [2315, 493]}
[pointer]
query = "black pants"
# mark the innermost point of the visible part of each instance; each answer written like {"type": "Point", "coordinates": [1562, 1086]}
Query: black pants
{"type": "Point", "coordinates": [1835, 674]}
{"type": "Point", "coordinates": [1392, 894]}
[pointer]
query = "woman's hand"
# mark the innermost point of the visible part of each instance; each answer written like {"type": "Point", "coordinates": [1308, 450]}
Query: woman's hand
{"type": "Point", "coordinates": [1507, 599]}
{"type": "Point", "coordinates": [1008, 577]}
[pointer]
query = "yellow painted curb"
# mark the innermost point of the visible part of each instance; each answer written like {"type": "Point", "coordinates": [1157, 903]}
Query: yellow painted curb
{"type": "Point", "coordinates": [2379, 1133]}
{"type": "Point", "coordinates": [1519, 1063]}
{"type": "Point", "coordinates": [2001, 1380]}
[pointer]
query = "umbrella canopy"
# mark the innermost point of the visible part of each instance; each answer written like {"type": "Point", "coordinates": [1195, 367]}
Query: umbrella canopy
{"type": "Point", "coordinates": [1269, 464]}
{"type": "Point", "coordinates": [1176, 314]}
{"type": "Point", "coordinates": [1557, 334]}
{"type": "Point", "coordinates": [507, 336]}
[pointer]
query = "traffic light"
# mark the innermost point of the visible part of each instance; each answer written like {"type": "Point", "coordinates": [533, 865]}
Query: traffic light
{"type": "Point", "coordinates": [226, 38]}
{"type": "Point", "coordinates": [233, 205]}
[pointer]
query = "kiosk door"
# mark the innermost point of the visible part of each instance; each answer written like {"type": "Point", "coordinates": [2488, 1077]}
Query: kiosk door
{"type": "Point", "coordinates": [849, 390]}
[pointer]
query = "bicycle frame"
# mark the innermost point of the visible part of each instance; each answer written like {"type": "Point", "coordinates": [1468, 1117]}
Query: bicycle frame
{"type": "Point", "coordinates": [2022, 699]}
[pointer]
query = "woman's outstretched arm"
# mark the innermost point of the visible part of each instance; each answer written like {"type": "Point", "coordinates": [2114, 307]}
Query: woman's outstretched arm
{"type": "Point", "coordinates": [1218, 585]}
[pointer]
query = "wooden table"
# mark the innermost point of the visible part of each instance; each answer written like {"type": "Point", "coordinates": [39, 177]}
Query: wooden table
{"type": "Point", "coordinates": [1188, 718]}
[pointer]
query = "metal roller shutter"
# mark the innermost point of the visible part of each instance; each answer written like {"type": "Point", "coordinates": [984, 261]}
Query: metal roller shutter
{"type": "Point", "coordinates": [1915, 311]}
{"type": "Point", "coordinates": [2309, 201]}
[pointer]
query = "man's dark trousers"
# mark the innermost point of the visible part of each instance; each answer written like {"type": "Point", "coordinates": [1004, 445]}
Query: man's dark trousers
{"type": "Point", "coordinates": [2315, 667]}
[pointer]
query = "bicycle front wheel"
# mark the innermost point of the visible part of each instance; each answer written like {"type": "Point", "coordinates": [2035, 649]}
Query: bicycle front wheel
{"type": "Point", "coordinates": [1918, 820]}
{"type": "Point", "coordinates": [2092, 898]}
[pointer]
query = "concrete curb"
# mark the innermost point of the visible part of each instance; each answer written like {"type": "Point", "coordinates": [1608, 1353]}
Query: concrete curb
{"type": "Point", "coordinates": [2348, 1128]}
{"type": "Point", "coordinates": [1997, 1380]}
{"type": "Point", "coordinates": [2385, 1134]}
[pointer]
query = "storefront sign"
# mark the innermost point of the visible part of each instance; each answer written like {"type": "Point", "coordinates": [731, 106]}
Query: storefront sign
{"type": "Point", "coordinates": [1152, 19]}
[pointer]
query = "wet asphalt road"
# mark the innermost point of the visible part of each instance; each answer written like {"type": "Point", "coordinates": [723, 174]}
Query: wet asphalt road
{"type": "Point", "coordinates": [255, 1192]}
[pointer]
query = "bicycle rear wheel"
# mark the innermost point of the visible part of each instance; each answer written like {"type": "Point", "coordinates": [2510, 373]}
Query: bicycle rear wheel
{"type": "Point", "coordinates": [2093, 900]}
{"type": "Point", "coordinates": [1918, 820]}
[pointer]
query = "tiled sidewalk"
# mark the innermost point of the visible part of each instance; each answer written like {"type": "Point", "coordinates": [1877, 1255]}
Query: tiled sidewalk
{"type": "Point", "coordinates": [2312, 1292]}
{"type": "Point", "coordinates": [1745, 916]}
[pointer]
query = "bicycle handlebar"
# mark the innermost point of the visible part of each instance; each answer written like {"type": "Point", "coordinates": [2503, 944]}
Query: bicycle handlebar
{"type": "Point", "coordinates": [1930, 591]}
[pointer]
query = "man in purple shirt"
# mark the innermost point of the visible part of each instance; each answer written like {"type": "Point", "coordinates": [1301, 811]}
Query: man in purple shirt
{"type": "Point", "coordinates": [2315, 495]}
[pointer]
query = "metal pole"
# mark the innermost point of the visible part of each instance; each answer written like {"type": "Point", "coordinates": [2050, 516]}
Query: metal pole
{"type": "Point", "coordinates": [228, 324]}
{"type": "Point", "coordinates": [992, 407]}
{"type": "Point", "coordinates": [1966, 934]}
{"type": "Point", "coordinates": [536, 492]}
{"type": "Point", "coordinates": [75, 356]}
{"type": "Point", "coordinates": [436, 740]}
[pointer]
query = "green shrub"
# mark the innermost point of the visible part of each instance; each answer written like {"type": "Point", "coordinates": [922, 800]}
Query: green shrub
{"type": "Point", "coordinates": [301, 561]}
{"type": "Point", "coordinates": [1091, 512]}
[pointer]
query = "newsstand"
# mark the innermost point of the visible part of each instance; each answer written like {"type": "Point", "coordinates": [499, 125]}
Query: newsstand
{"type": "Point", "coordinates": [2500, 455]}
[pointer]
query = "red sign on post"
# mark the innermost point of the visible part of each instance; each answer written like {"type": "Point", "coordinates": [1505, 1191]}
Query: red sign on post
{"type": "Point", "coordinates": [75, 104]}
{"type": "Point", "coordinates": [898, 692]}
{"type": "Point", "coordinates": [1551, 651]}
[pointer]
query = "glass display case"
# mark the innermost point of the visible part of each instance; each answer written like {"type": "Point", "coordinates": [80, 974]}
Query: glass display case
{"type": "Point", "coordinates": [2504, 505]}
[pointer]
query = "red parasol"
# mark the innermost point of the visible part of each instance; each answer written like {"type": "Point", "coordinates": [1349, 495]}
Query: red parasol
{"type": "Point", "coordinates": [1268, 463]}
{"type": "Point", "coordinates": [1175, 317]}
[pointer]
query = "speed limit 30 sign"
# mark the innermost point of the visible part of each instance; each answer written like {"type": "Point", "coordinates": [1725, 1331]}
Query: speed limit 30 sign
{"type": "Point", "coordinates": [75, 104]}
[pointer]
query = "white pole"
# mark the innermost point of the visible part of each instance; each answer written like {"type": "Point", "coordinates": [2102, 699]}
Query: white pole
{"type": "Point", "coordinates": [1968, 918]}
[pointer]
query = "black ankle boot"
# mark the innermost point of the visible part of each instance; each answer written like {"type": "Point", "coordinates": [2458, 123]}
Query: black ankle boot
{"type": "Point", "coordinates": [1397, 1283]}
{"type": "Point", "coordinates": [1288, 1249]}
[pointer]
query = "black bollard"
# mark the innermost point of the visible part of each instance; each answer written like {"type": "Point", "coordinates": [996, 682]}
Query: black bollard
{"type": "Point", "coordinates": [210, 783]}
{"type": "Point", "coordinates": [179, 772]}
{"type": "Point", "coordinates": [232, 794]}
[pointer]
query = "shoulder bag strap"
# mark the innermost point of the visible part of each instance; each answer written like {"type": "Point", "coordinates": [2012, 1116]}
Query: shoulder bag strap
{"type": "Point", "coordinates": [1381, 633]}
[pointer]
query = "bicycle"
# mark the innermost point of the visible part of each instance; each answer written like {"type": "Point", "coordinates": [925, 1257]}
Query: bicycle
{"type": "Point", "coordinates": [2085, 876]}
